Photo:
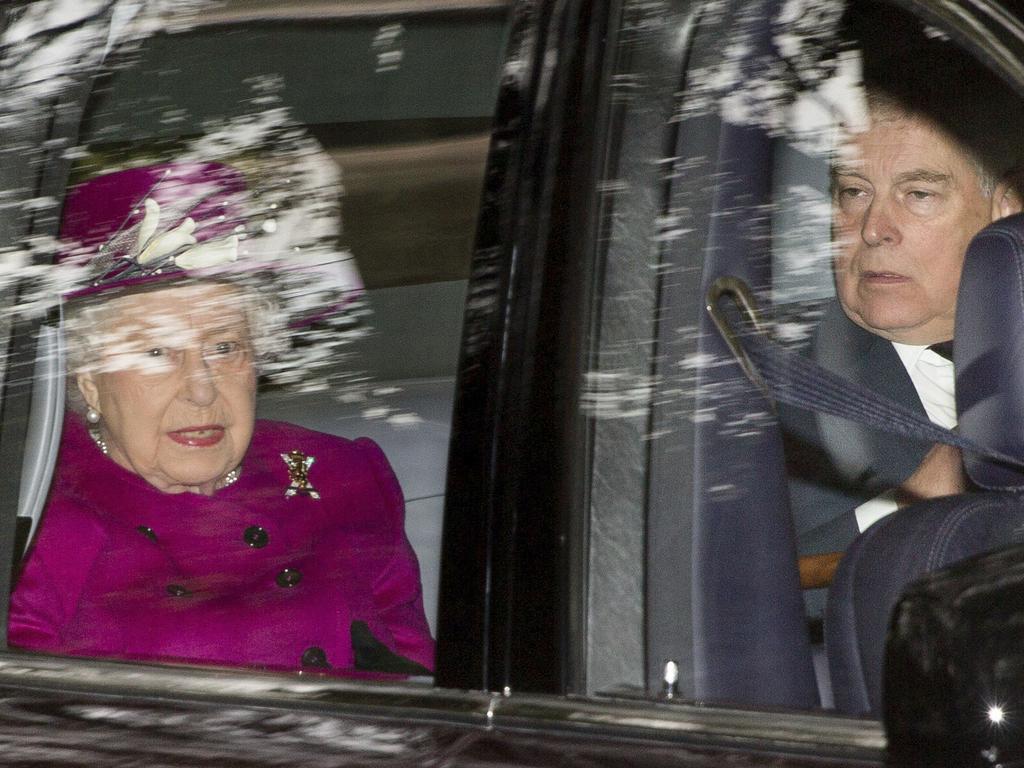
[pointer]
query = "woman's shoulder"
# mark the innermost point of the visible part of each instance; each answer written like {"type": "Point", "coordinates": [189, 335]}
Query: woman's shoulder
{"type": "Point", "coordinates": [337, 459]}
{"type": "Point", "coordinates": [280, 435]}
{"type": "Point", "coordinates": [69, 528]}
{"type": "Point", "coordinates": [327, 468]}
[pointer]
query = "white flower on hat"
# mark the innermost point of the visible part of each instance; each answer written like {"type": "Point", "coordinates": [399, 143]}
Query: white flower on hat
{"type": "Point", "coordinates": [209, 254]}
{"type": "Point", "coordinates": [153, 247]}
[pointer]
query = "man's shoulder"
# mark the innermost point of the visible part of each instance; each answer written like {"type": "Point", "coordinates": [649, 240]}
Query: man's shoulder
{"type": "Point", "coordinates": [844, 347]}
{"type": "Point", "coordinates": [858, 356]}
{"type": "Point", "coordinates": [836, 329]}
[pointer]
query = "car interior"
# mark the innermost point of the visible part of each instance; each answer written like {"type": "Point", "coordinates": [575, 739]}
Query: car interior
{"type": "Point", "coordinates": [756, 636]}
{"type": "Point", "coordinates": [719, 593]}
{"type": "Point", "coordinates": [412, 177]}
{"type": "Point", "coordinates": [847, 648]}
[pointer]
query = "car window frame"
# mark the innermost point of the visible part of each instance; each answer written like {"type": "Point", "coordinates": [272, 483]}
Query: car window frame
{"type": "Point", "coordinates": [57, 128]}
{"type": "Point", "coordinates": [976, 38]}
{"type": "Point", "coordinates": [669, 722]}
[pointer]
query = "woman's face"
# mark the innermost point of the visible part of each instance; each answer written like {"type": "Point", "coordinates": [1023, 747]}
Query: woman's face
{"type": "Point", "coordinates": [175, 385]}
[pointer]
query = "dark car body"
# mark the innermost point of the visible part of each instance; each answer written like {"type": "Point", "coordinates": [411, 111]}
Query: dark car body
{"type": "Point", "coordinates": [564, 572]}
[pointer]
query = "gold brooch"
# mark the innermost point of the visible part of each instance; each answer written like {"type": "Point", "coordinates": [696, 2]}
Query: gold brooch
{"type": "Point", "coordinates": [298, 473]}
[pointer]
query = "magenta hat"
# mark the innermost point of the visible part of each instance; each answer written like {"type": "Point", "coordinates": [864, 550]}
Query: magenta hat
{"type": "Point", "coordinates": [103, 217]}
{"type": "Point", "coordinates": [131, 228]}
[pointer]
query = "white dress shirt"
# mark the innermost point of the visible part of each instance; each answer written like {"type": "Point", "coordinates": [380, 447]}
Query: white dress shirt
{"type": "Point", "coordinates": [935, 381]}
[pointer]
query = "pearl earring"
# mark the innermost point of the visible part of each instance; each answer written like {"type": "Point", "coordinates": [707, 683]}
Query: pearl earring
{"type": "Point", "coordinates": [92, 416]}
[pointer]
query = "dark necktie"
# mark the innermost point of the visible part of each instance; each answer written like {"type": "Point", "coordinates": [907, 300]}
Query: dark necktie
{"type": "Point", "coordinates": [943, 349]}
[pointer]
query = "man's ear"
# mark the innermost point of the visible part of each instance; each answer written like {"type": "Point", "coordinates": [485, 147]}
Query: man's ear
{"type": "Point", "coordinates": [87, 386]}
{"type": "Point", "coordinates": [1006, 199]}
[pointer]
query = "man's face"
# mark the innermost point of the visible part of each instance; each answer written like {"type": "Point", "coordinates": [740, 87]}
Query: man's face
{"type": "Point", "coordinates": [907, 201]}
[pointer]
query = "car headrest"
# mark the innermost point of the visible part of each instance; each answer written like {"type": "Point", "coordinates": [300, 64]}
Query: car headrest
{"type": "Point", "coordinates": [988, 351]}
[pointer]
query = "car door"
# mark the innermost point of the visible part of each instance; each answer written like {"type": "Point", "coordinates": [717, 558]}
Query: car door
{"type": "Point", "coordinates": [659, 482]}
{"type": "Point", "coordinates": [615, 568]}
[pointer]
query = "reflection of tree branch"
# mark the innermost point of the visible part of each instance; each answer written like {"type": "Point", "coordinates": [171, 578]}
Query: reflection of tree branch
{"type": "Point", "coordinates": [802, 85]}
{"type": "Point", "coordinates": [48, 35]}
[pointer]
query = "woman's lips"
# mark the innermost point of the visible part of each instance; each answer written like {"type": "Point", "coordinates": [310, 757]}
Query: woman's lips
{"type": "Point", "coordinates": [884, 277]}
{"type": "Point", "coordinates": [198, 437]}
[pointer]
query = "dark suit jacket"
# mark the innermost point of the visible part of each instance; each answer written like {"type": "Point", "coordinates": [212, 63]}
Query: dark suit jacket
{"type": "Point", "coordinates": [834, 464]}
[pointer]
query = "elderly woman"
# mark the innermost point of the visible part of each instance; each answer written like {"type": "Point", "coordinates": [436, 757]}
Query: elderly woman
{"type": "Point", "coordinates": [178, 526]}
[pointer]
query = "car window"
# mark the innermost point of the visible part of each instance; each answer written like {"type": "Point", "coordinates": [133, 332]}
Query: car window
{"type": "Point", "coordinates": [664, 530]}
{"type": "Point", "coordinates": [362, 137]}
{"type": "Point", "coordinates": [736, 152]}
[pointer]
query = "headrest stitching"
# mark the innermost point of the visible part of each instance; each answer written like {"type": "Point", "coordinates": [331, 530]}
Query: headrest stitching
{"type": "Point", "coordinates": [1010, 233]}
{"type": "Point", "coordinates": [938, 554]}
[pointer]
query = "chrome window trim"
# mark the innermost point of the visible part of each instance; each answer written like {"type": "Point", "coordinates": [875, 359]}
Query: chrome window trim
{"type": "Point", "coordinates": [976, 24]}
{"type": "Point", "coordinates": [249, 11]}
{"type": "Point", "coordinates": [651, 721]}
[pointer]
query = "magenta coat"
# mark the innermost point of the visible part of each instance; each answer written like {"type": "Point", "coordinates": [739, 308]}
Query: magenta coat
{"type": "Point", "coordinates": [248, 576]}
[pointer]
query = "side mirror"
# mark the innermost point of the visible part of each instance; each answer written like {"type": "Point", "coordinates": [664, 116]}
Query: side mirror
{"type": "Point", "coordinates": [954, 666]}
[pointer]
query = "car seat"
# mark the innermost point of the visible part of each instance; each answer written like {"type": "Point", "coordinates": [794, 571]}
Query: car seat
{"type": "Point", "coordinates": [989, 358]}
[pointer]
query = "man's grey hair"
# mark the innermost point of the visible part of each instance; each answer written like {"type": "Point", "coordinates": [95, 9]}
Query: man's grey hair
{"type": "Point", "coordinates": [918, 74]}
{"type": "Point", "coordinates": [989, 170]}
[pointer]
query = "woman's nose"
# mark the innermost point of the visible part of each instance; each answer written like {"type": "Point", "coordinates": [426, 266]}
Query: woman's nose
{"type": "Point", "coordinates": [199, 386]}
{"type": "Point", "coordinates": [878, 226]}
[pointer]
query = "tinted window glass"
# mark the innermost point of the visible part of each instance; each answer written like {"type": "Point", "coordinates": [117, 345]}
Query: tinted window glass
{"type": "Point", "coordinates": [361, 139]}
{"type": "Point", "coordinates": [684, 447]}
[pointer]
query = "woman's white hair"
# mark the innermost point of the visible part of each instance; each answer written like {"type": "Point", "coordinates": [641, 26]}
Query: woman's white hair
{"type": "Point", "coordinates": [86, 324]}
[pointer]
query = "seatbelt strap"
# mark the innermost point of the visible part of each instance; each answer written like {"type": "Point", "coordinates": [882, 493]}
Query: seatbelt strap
{"type": "Point", "coordinates": [798, 381]}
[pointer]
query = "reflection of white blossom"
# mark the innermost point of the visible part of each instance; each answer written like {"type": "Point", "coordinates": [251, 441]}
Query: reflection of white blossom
{"type": "Point", "coordinates": [802, 242]}
{"type": "Point", "coordinates": [617, 394]}
{"type": "Point", "coordinates": [287, 247]}
{"type": "Point", "coordinates": [387, 45]}
{"type": "Point", "coordinates": [795, 84]}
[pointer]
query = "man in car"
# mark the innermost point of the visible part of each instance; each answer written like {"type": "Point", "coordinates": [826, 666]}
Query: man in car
{"type": "Point", "coordinates": [908, 195]}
